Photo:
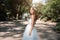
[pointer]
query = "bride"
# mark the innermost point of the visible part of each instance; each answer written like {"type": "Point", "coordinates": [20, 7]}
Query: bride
{"type": "Point", "coordinates": [30, 32]}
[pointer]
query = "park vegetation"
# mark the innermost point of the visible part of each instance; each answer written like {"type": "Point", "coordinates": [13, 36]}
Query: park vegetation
{"type": "Point", "coordinates": [14, 9]}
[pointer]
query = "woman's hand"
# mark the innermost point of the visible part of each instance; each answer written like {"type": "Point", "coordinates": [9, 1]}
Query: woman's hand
{"type": "Point", "coordinates": [29, 33]}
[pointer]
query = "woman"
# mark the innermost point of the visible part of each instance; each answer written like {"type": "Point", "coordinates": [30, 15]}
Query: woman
{"type": "Point", "coordinates": [30, 32]}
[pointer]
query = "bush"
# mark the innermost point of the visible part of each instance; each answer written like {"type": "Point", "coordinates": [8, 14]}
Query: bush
{"type": "Point", "coordinates": [51, 10]}
{"type": "Point", "coordinates": [58, 27]}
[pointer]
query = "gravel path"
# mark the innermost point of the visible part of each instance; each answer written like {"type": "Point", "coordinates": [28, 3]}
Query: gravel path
{"type": "Point", "coordinates": [13, 30]}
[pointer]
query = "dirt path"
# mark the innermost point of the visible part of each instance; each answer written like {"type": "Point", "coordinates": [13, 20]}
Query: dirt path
{"type": "Point", "coordinates": [13, 30]}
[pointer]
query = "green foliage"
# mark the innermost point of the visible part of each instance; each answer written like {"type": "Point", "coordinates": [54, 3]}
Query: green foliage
{"type": "Point", "coordinates": [14, 7]}
{"type": "Point", "coordinates": [58, 27]}
{"type": "Point", "coordinates": [51, 10]}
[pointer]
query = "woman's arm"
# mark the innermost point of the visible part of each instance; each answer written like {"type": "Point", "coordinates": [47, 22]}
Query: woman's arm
{"type": "Point", "coordinates": [32, 24]}
{"type": "Point", "coordinates": [33, 21]}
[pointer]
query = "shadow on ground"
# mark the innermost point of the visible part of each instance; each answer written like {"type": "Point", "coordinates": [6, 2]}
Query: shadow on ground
{"type": "Point", "coordinates": [46, 31]}
{"type": "Point", "coordinates": [13, 30]}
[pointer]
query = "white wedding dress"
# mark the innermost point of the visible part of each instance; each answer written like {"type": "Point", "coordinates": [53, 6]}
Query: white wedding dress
{"type": "Point", "coordinates": [33, 36]}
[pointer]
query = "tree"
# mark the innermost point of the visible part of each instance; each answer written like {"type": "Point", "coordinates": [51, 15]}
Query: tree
{"type": "Point", "coordinates": [52, 10]}
{"type": "Point", "coordinates": [16, 7]}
